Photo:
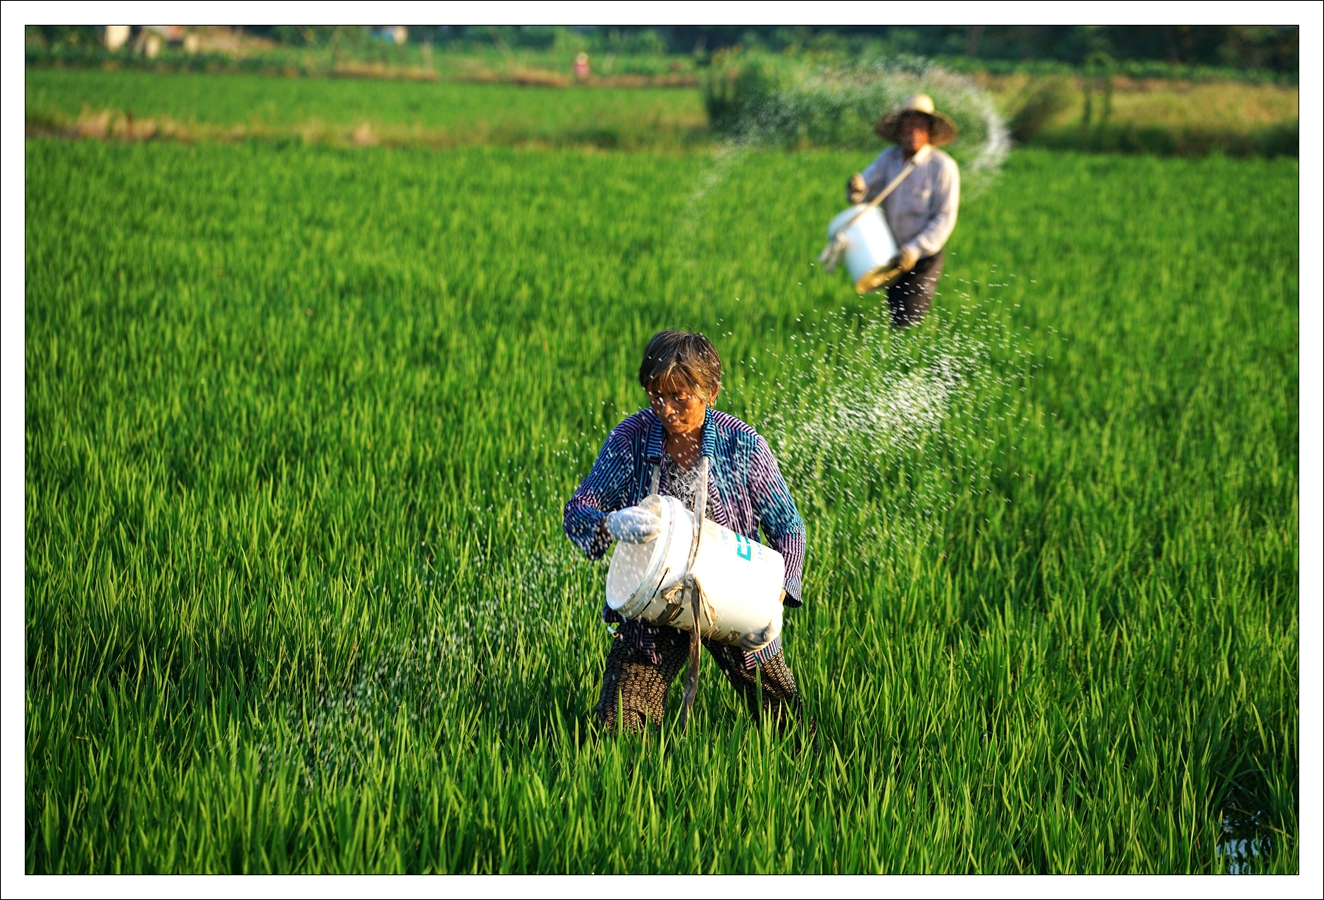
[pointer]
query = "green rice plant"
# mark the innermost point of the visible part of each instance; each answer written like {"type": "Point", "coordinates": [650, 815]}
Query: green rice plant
{"type": "Point", "coordinates": [299, 424]}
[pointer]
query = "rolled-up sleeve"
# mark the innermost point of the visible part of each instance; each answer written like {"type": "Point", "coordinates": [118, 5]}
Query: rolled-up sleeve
{"type": "Point", "coordinates": [777, 516]}
{"type": "Point", "coordinates": [605, 490]}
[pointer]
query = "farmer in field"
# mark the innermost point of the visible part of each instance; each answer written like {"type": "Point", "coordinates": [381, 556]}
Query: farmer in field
{"type": "Point", "coordinates": [682, 375]}
{"type": "Point", "coordinates": [921, 210]}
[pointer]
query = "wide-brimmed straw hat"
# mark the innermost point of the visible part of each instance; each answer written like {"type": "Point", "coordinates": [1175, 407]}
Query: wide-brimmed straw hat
{"type": "Point", "coordinates": [942, 130]}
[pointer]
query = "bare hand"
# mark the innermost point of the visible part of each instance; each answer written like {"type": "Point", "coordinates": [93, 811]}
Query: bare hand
{"type": "Point", "coordinates": [856, 189]}
{"type": "Point", "coordinates": [907, 258]}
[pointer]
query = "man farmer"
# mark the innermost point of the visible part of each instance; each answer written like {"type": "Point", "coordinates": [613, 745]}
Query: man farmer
{"type": "Point", "coordinates": [921, 210]}
{"type": "Point", "coordinates": [658, 450]}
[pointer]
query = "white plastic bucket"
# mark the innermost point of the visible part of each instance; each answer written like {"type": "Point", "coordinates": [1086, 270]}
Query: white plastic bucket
{"type": "Point", "coordinates": [869, 243]}
{"type": "Point", "coordinates": [740, 580]}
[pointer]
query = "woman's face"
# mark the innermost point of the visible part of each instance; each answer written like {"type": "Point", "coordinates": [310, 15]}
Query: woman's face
{"type": "Point", "coordinates": [678, 405]}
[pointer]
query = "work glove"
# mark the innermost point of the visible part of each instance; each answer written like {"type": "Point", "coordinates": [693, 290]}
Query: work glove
{"type": "Point", "coordinates": [757, 640]}
{"type": "Point", "coordinates": [856, 189]}
{"type": "Point", "coordinates": [905, 259]}
{"type": "Point", "coordinates": [635, 524]}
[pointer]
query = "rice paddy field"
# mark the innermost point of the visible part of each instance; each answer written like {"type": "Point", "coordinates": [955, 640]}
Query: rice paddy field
{"type": "Point", "coordinates": [300, 421]}
{"type": "Point", "coordinates": [360, 111]}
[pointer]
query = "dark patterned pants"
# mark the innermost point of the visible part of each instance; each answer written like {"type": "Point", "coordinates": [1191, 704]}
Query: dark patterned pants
{"type": "Point", "coordinates": [640, 688]}
{"type": "Point", "coordinates": [911, 295]}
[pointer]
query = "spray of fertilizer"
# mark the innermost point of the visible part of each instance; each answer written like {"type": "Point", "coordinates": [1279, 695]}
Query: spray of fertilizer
{"type": "Point", "coordinates": [895, 428]}
{"type": "Point", "coordinates": [835, 105]}
{"type": "Point", "coordinates": [859, 414]}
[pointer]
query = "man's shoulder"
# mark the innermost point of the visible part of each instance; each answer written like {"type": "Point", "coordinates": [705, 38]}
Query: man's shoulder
{"type": "Point", "coordinates": [886, 156]}
{"type": "Point", "coordinates": [941, 159]}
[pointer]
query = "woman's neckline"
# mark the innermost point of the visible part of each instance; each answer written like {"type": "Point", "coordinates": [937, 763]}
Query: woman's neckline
{"type": "Point", "coordinates": [679, 465]}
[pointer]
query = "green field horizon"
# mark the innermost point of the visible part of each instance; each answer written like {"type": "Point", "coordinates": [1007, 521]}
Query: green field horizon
{"type": "Point", "coordinates": [1148, 117]}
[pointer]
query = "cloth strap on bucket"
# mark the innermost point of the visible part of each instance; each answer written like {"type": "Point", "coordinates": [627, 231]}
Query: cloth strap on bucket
{"type": "Point", "coordinates": [692, 677]}
{"type": "Point", "coordinates": [700, 507]}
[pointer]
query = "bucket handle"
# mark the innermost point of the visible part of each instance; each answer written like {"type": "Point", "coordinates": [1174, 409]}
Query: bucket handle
{"type": "Point", "coordinates": [700, 506]}
{"type": "Point", "coordinates": [835, 246]}
{"type": "Point", "coordinates": [692, 677]}
{"type": "Point", "coordinates": [882, 195]}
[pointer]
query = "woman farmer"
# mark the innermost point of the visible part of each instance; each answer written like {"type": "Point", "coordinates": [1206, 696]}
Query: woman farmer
{"type": "Point", "coordinates": [682, 375]}
{"type": "Point", "coordinates": [921, 210]}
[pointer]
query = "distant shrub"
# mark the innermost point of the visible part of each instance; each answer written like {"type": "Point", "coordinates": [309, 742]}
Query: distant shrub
{"type": "Point", "coordinates": [1042, 101]}
{"type": "Point", "coordinates": [736, 84]}
{"type": "Point", "coordinates": [791, 101]}
{"type": "Point", "coordinates": [1282, 140]}
{"type": "Point", "coordinates": [775, 99]}
{"type": "Point", "coordinates": [1131, 68]}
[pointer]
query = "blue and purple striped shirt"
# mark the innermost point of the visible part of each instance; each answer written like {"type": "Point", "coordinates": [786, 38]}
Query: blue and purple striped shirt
{"type": "Point", "coordinates": [746, 492]}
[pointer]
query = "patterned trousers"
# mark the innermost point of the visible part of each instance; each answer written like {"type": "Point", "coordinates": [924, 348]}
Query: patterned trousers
{"type": "Point", "coordinates": [639, 688]}
{"type": "Point", "coordinates": [911, 294]}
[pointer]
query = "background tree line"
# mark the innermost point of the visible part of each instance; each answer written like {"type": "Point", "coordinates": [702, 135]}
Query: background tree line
{"type": "Point", "coordinates": [1271, 47]}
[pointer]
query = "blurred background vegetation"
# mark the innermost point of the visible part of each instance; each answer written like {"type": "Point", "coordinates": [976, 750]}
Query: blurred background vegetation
{"type": "Point", "coordinates": [1168, 90]}
{"type": "Point", "coordinates": [1256, 51]}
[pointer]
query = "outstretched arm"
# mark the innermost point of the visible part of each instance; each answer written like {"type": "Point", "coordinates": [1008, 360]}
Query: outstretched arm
{"type": "Point", "coordinates": [605, 490]}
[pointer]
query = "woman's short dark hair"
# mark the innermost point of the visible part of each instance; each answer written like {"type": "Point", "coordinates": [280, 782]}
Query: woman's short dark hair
{"type": "Point", "coordinates": [691, 356]}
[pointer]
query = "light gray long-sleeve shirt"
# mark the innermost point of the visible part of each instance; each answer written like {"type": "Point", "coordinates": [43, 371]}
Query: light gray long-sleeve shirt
{"type": "Point", "coordinates": [922, 209]}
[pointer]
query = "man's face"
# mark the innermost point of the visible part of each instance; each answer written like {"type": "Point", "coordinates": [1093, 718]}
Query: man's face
{"type": "Point", "coordinates": [914, 131]}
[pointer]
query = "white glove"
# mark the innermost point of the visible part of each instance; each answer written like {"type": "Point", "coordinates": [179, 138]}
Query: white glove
{"type": "Point", "coordinates": [757, 640]}
{"type": "Point", "coordinates": [633, 525]}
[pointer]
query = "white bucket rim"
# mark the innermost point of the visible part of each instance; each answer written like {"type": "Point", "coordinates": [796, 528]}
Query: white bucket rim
{"type": "Point", "coordinates": [652, 579]}
{"type": "Point", "coordinates": [844, 218]}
